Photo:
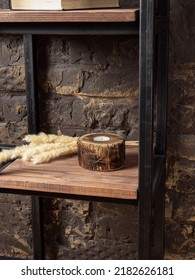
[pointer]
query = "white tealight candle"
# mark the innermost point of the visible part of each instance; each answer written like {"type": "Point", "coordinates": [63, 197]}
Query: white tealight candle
{"type": "Point", "coordinates": [101, 138]}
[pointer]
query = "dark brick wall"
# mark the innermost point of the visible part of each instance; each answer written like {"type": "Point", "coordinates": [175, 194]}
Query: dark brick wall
{"type": "Point", "coordinates": [88, 230]}
{"type": "Point", "coordinates": [87, 87]}
{"type": "Point", "coordinates": [180, 198]}
{"type": "Point", "coordinates": [4, 4]}
{"type": "Point", "coordinates": [15, 226]}
{"type": "Point", "coordinates": [12, 90]}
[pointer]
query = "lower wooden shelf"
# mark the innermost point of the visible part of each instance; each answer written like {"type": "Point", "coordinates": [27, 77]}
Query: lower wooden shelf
{"type": "Point", "coordinates": [65, 176]}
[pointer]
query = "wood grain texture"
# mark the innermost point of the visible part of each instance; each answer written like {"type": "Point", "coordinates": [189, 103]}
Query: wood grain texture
{"type": "Point", "coordinates": [65, 176]}
{"type": "Point", "coordinates": [103, 155]}
{"type": "Point", "coordinates": [99, 15]}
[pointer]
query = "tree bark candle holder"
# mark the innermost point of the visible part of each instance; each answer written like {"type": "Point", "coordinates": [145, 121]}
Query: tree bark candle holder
{"type": "Point", "coordinates": [101, 151]}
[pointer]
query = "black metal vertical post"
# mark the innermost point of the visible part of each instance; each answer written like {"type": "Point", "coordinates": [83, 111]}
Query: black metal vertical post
{"type": "Point", "coordinates": [159, 205]}
{"type": "Point", "coordinates": [163, 6]}
{"type": "Point", "coordinates": [161, 124]}
{"type": "Point", "coordinates": [146, 91]}
{"type": "Point", "coordinates": [162, 83]}
{"type": "Point", "coordinates": [33, 127]}
{"type": "Point", "coordinates": [31, 85]}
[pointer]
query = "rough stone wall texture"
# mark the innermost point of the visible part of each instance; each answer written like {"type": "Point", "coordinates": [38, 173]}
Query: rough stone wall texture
{"type": "Point", "coordinates": [180, 197]}
{"type": "Point", "coordinates": [4, 4]}
{"type": "Point", "coordinates": [78, 94]}
{"type": "Point", "coordinates": [89, 230]}
{"type": "Point", "coordinates": [86, 87]}
{"type": "Point", "coordinates": [12, 90]}
{"type": "Point", "coordinates": [15, 226]}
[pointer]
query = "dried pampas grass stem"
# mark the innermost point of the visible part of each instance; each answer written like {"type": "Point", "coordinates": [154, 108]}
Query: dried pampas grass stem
{"type": "Point", "coordinates": [41, 148]}
{"type": "Point", "coordinates": [46, 138]}
{"type": "Point", "coordinates": [17, 152]}
{"type": "Point", "coordinates": [55, 153]}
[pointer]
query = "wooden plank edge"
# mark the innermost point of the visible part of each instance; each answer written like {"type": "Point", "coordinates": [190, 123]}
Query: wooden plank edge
{"type": "Point", "coordinates": [66, 189]}
{"type": "Point", "coordinates": [99, 15]}
{"type": "Point", "coordinates": [132, 143]}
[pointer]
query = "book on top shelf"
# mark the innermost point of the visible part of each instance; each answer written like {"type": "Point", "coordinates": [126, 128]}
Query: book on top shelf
{"type": "Point", "coordinates": [36, 4]}
{"type": "Point", "coordinates": [62, 4]}
{"type": "Point", "coordinates": [88, 4]}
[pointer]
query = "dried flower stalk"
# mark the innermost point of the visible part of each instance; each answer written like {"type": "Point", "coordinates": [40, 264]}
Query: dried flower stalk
{"type": "Point", "coordinates": [42, 148]}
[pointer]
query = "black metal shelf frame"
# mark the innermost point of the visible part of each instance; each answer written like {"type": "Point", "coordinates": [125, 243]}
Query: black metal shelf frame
{"type": "Point", "coordinates": [153, 87]}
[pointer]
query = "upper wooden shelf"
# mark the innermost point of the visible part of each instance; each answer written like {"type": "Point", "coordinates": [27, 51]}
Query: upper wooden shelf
{"type": "Point", "coordinates": [96, 15]}
{"type": "Point", "coordinates": [65, 176]}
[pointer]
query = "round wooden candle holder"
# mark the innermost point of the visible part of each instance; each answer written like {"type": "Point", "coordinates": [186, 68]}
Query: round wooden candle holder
{"type": "Point", "coordinates": [101, 151]}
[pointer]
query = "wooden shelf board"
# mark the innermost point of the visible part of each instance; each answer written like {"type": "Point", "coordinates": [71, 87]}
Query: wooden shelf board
{"type": "Point", "coordinates": [65, 176]}
{"type": "Point", "coordinates": [95, 15]}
